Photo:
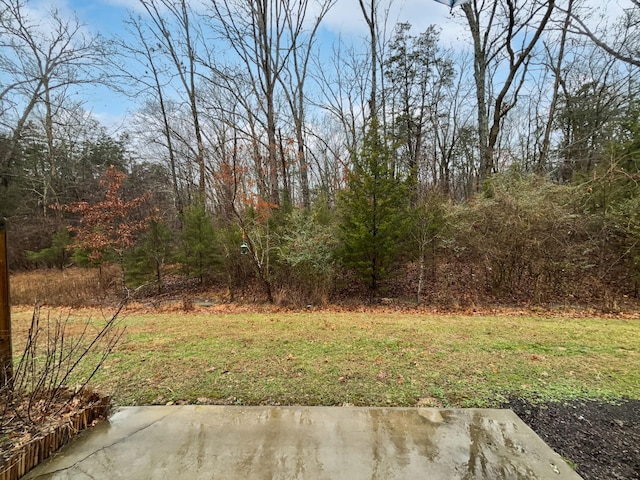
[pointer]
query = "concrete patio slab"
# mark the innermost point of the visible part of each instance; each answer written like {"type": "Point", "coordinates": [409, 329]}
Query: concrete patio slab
{"type": "Point", "coordinates": [216, 442]}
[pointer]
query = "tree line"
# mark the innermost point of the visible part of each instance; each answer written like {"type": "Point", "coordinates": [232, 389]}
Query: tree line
{"type": "Point", "coordinates": [503, 167]}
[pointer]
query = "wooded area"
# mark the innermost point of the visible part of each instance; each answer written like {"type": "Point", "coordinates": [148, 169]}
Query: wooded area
{"type": "Point", "coordinates": [262, 156]}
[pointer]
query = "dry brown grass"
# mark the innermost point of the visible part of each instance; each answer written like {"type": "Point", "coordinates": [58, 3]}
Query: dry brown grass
{"type": "Point", "coordinates": [72, 287]}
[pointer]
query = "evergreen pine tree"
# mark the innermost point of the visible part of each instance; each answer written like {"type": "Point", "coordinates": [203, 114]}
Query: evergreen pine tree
{"type": "Point", "coordinates": [199, 254]}
{"type": "Point", "coordinates": [374, 211]}
{"type": "Point", "coordinates": [55, 255]}
{"type": "Point", "coordinates": [147, 261]}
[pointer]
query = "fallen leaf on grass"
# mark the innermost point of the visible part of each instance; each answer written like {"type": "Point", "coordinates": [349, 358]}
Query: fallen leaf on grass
{"type": "Point", "coordinates": [429, 402]}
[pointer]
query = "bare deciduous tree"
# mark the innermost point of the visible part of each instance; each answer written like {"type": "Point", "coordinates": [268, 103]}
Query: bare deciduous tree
{"type": "Point", "coordinates": [295, 78]}
{"type": "Point", "coordinates": [504, 34]}
{"type": "Point", "coordinates": [256, 32]}
{"type": "Point", "coordinates": [152, 82]}
{"type": "Point", "coordinates": [556, 67]}
{"type": "Point", "coordinates": [625, 45]}
{"type": "Point", "coordinates": [176, 36]}
{"type": "Point", "coordinates": [40, 65]}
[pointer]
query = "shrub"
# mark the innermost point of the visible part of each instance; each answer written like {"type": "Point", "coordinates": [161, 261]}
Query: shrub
{"type": "Point", "coordinates": [524, 238]}
{"type": "Point", "coordinates": [57, 255]}
{"type": "Point", "coordinates": [307, 256]}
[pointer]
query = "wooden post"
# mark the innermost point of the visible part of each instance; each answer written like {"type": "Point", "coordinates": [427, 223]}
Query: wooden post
{"type": "Point", "coordinates": [6, 354]}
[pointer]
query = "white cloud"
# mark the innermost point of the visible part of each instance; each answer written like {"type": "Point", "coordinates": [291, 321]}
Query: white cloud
{"type": "Point", "coordinates": [611, 9]}
{"type": "Point", "coordinates": [39, 12]}
{"type": "Point", "coordinates": [453, 27]}
{"type": "Point", "coordinates": [130, 4]}
{"type": "Point", "coordinates": [134, 5]}
{"type": "Point", "coordinates": [346, 18]}
{"type": "Point", "coordinates": [112, 122]}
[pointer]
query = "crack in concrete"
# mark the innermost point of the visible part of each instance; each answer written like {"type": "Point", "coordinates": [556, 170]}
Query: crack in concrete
{"type": "Point", "coordinates": [49, 474]}
{"type": "Point", "coordinates": [87, 474]}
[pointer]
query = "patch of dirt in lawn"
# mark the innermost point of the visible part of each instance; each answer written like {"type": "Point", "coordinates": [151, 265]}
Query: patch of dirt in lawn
{"type": "Point", "coordinates": [601, 439]}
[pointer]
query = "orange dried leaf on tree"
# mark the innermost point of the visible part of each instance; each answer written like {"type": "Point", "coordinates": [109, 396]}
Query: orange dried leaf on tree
{"type": "Point", "coordinates": [110, 224]}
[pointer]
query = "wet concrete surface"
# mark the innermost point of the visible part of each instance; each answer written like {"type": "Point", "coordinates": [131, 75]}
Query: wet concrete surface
{"type": "Point", "coordinates": [216, 442]}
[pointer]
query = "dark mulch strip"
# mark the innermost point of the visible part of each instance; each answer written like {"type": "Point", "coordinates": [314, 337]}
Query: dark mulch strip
{"type": "Point", "coordinates": [601, 439]}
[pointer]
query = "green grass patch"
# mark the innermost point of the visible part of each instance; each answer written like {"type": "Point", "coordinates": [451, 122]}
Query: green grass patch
{"type": "Point", "coordinates": [376, 359]}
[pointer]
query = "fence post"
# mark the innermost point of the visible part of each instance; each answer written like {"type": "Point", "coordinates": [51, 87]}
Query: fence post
{"type": "Point", "coordinates": [6, 354]}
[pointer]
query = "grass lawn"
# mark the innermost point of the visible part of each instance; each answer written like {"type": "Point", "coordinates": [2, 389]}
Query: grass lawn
{"type": "Point", "coordinates": [369, 358]}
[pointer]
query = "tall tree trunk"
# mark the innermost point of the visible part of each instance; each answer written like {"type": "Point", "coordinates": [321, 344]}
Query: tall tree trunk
{"type": "Point", "coordinates": [480, 76]}
{"type": "Point", "coordinates": [286, 194]}
{"type": "Point", "coordinates": [557, 73]}
{"type": "Point", "coordinates": [304, 167]}
{"type": "Point", "coordinates": [184, 61]}
{"type": "Point", "coordinates": [516, 65]}
{"type": "Point", "coordinates": [48, 180]}
{"type": "Point", "coordinates": [370, 17]}
{"type": "Point", "coordinates": [12, 149]}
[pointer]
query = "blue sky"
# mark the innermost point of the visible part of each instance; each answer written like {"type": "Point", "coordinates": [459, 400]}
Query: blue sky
{"type": "Point", "coordinates": [106, 17]}
{"type": "Point", "coordinates": [345, 19]}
